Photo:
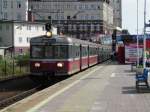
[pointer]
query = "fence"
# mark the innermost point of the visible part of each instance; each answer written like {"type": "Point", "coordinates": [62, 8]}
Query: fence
{"type": "Point", "coordinates": [12, 68]}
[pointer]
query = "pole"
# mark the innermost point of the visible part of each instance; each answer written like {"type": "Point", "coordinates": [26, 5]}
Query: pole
{"type": "Point", "coordinates": [144, 41]}
{"type": "Point", "coordinates": [137, 37]}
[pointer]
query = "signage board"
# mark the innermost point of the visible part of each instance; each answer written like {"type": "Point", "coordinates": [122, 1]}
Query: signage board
{"type": "Point", "coordinates": [131, 53]}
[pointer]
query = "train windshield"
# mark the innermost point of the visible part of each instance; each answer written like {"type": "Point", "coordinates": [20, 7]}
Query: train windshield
{"type": "Point", "coordinates": [50, 52]}
{"type": "Point", "coordinates": [37, 51]}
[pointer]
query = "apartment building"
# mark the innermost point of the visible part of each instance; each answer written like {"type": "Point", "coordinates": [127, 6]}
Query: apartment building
{"type": "Point", "coordinates": [79, 18]}
{"type": "Point", "coordinates": [17, 34]}
{"type": "Point", "coordinates": [117, 13]}
{"type": "Point", "coordinates": [14, 10]}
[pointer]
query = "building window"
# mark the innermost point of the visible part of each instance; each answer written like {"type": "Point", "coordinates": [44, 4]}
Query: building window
{"type": "Point", "coordinates": [92, 17]}
{"type": "Point", "coordinates": [18, 4]}
{"type": "Point", "coordinates": [62, 17]}
{"type": "Point", "coordinates": [5, 15]}
{"type": "Point", "coordinates": [18, 16]}
{"type": "Point", "coordinates": [43, 28]}
{"type": "Point", "coordinates": [5, 4]}
{"type": "Point", "coordinates": [1, 27]}
{"type": "Point", "coordinates": [80, 6]}
{"type": "Point", "coordinates": [93, 6]}
{"type": "Point", "coordinates": [28, 39]}
{"type": "Point", "coordinates": [11, 4]}
{"type": "Point", "coordinates": [20, 39]}
{"type": "Point", "coordinates": [86, 7]}
{"type": "Point", "coordinates": [87, 17]}
{"type": "Point", "coordinates": [28, 27]}
{"type": "Point", "coordinates": [68, 6]}
{"type": "Point", "coordinates": [37, 28]}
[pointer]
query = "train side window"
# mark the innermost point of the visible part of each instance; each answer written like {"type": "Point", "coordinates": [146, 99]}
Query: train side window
{"type": "Point", "coordinates": [89, 50]}
{"type": "Point", "coordinates": [78, 51]}
{"type": "Point", "coordinates": [70, 47]}
{"type": "Point", "coordinates": [73, 51]}
{"type": "Point", "coordinates": [61, 51]}
{"type": "Point", "coordinates": [83, 51]}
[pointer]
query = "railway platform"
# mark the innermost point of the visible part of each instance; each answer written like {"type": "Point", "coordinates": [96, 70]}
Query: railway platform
{"type": "Point", "coordinates": [103, 88]}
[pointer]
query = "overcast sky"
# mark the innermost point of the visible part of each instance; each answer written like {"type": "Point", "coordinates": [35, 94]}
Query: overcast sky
{"type": "Point", "coordinates": [129, 15]}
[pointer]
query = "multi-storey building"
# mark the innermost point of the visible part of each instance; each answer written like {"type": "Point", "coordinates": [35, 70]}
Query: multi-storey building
{"type": "Point", "coordinates": [80, 18]}
{"type": "Point", "coordinates": [14, 10]}
{"type": "Point", "coordinates": [17, 34]}
{"type": "Point", "coordinates": [117, 13]}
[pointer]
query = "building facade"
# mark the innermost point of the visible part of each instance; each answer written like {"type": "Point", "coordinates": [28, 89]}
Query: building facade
{"type": "Point", "coordinates": [79, 18]}
{"type": "Point", "coordinates": [14, 10]}
{"type": "Point", "coordinates": [17, 34]}
{"type": "Point", "coordinates": [117, 13]}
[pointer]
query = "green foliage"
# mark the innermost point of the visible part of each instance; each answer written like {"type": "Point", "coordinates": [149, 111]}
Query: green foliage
{"type": "Point", "coordinates": [5, 66]}
{"type": "Point", "coordinates": [14, 66]}
{"type": "Point", "coordinates": [140, 66]}
{"type": "Point", "coordinates": [22, 60]}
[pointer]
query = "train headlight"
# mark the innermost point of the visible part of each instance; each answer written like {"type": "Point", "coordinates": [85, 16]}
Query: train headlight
{"type": "Point", "coordinates": [37, 65]}
{"type": "Point", "coordinates": [60, 65]}
{"type": "Point", "coordinates": [49, 34]}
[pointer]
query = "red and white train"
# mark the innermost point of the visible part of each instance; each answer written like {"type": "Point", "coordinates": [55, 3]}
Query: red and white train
{"type": "Point", "coordinates": [61, 55]}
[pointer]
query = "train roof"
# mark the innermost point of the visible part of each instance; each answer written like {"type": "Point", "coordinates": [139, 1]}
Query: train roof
{"type": "Point", "coordinates": [61, 39]}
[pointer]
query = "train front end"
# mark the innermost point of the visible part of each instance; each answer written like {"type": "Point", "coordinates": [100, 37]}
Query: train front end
{"type": "Point", "coordinates": [48, 57]}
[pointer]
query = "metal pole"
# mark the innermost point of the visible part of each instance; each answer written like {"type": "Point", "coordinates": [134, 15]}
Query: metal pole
{"type": "Point", "coordinates": [144, 41]}
{"type": "Point", "coordinates": [137, 37]}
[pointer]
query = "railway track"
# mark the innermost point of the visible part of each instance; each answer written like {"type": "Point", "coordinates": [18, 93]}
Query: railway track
{"type": "Point", "coordinates": [4, 103]}
{"type": "Point", "coordinates": [15, 90]}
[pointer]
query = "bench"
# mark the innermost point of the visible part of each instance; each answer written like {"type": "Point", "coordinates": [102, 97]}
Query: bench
{"type": "Point", "coordinates": [142, 79]}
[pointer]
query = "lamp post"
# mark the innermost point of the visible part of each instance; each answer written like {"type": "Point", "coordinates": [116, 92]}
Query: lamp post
{"type": "Point", "coordinates": [137, 37]}
{"type": "Point", "coordinates": [144, 41]}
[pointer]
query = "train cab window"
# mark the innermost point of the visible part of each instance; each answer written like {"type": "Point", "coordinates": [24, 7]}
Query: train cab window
{"type": "Point", "coordinates": [48, 52]}
{"type": "Point", "coordinates": [61, 52]}
{"type": "Point", "coordinates": [37, 51]}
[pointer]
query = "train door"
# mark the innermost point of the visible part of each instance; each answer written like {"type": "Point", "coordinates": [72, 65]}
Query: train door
{"type": "Point", "coordinates": [98, 52]}
{"type": "Point", "coordinates": [88, 56]}
{"type": "Point", "coordinates": [80, 57]}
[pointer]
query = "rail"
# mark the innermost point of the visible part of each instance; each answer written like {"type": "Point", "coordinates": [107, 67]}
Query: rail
{"type": "Point", "coordinates": [4, 103]}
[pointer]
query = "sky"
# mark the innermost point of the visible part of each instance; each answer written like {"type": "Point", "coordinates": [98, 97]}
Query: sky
{"type": "Point", "coordinates": [129, 15]}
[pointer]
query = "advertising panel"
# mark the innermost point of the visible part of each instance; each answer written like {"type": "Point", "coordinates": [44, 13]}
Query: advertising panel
{"type": "Point", "coordinates": [131, 53]}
